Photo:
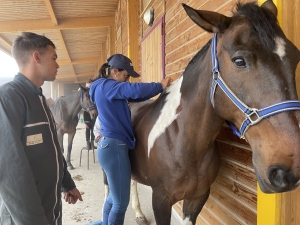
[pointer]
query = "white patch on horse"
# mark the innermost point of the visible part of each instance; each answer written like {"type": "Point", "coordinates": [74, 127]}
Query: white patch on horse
{"type": "Point", "coordinates": [280, 47]}
{"type": "Point", "coordinates": [187, 221]}
{"type": "Point", "coordinates": [167, 114]}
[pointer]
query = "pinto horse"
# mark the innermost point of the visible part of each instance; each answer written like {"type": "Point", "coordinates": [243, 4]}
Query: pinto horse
{"type": "Point", "coordinates": [245, 75]}
{"type": "Point", "coordinates": [65, 111]}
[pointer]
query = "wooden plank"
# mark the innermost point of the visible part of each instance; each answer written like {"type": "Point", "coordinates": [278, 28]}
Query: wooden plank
{"type": "Point", "coordinates": [236, 153]}
{"type": "Point", "coordinates": [133, 42]}
{"type": "Point", "coordinates": [244, 175]}
{"type": "Point", "coordinates": [228, 208]}
{"type": "Point", "coordinates": [236, 190]}
{"type": "Point", "coordinates": [290, 208]}
{"type": "Point", "coordinates": [63, 24]}
{"type": "Point", "coordinates": [51, 12]}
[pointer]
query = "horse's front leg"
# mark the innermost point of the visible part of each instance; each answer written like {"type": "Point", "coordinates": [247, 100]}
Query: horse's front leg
{"type": "Point", "coordinates": [70, 143]}
{"type": "Point", "coordinates": [60, 137]}
{"type": "Point", "coordinates": [162, 206]}
{"type": "Point", "coordinates": [192, 207]}
{"type": "Point", "coordinates": [139, 215]}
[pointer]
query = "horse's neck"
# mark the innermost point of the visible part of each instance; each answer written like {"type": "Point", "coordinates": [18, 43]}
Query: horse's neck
{"type": "Point", "coordinates": [196, 88]}
{"type": "Point", "coordinates": [74, 102]}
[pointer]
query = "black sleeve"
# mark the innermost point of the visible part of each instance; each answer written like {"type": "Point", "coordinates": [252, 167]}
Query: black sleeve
{"type": "Point", "coordinates": [67, 182]}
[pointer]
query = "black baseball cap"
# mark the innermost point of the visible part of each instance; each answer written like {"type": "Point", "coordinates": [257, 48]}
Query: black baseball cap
{"type": "Point", "coordinates": [120, 61]}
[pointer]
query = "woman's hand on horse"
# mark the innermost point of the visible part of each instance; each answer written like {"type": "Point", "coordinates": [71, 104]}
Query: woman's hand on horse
{"type": "Point", "coordinates": [72, 196]}
{"type": "Point", "coordinates": [166, 82]}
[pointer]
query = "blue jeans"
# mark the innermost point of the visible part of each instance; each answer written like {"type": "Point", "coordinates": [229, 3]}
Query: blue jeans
{"type": "Point", "coordinates": [114, 160]}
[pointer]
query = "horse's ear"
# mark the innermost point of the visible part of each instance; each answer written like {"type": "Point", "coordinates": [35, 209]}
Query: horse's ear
{"type": "Point", "coordinates": [210, 21]}
{"type": "Point", "coordinates": [269, 4]}
{"type": "Point", "coordinates": [82, 88]}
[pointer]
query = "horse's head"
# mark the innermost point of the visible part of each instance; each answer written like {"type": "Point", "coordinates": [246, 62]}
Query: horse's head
{"type": "Point", "coordinates": [86, 103]}
{"type": "Point", "coordinates": [256, 69]}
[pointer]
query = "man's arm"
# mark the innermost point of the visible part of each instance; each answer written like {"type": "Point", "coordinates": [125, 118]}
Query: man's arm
{"type": "Point", "coordinates": [17, 186]}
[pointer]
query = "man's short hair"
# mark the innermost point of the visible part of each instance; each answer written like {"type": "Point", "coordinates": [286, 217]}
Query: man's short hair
{"type": "Point", "coordinates": [26, 43]}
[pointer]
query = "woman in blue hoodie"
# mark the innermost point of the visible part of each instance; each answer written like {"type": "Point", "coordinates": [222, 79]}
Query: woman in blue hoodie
{"type": "Point", "coordinates": [111, 92]}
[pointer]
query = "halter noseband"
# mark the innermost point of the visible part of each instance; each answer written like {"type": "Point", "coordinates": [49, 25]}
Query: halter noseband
{"type": "Point", "coordinates": [252, 115]}
{"type": "Point", "coordinates": [83, 105]}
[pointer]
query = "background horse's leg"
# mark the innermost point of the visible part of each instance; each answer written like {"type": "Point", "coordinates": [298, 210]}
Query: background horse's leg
{"type": "Point", "coordinates": [70, 143]}
{"type": "Point", "coordinates": [162, 206]}
{"type": "Point", "coordinates": [60, 137]}
{"type": "Point", "coordinates": [139, 215]}
{"type": "Point", "coordinates": [192, 207]}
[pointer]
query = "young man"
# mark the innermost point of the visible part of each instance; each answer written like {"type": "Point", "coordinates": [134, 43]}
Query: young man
{"type": "Point", "coordinates": [33, 171]}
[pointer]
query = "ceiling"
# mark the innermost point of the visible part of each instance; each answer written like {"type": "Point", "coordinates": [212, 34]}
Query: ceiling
{"type": "Point", "coordinates": [78, 28]}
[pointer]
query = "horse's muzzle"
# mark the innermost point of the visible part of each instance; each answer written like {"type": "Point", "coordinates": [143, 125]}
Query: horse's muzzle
{"type": "Point", "coordinates": [93, 114]}
{"type": "Point", "coordinates": [282, 179]}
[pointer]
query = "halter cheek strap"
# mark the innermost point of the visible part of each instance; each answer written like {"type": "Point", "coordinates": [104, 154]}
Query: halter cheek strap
{"type": "Point", "coordinates": [83, 105]}
{"type": "Point", "coordinates": [252, 115]}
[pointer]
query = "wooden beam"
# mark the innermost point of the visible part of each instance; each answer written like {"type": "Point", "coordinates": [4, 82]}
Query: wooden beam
{"type": "Point", "coordinates": [103, 58]}
{"type": "Point", "coordinates": [63, 24]}
{"type": "Point", "coordinates": [5, 51]}
{"type": "Point", "coordinates": [7, 44]}
{"type": "Point", "coordinates": [112, 39]}
{"type": "Point", "coordinates": [85, 74]}
{"type": "Point", "coordinates": [66, 50]}
{"type": "Point", "coordinates": [51, 12]}
{"type": "Point", "coordinates": [133, 32]}
{"type": "Point", "coordinates": [64, 62]}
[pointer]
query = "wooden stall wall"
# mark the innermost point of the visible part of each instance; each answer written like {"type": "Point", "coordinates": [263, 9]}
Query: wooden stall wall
{"type": "Point", "coordinates": [121, 28]}
{"type": "Point", "coordinates": [290, 204]}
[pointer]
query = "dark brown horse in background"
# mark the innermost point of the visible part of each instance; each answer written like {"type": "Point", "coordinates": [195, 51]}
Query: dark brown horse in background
{"type": "Point", "coordinates": [65, 111]}
{"type": "Point", "coordinates": [252, 86]}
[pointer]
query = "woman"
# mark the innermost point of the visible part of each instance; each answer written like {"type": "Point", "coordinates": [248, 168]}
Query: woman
{"type": "Point", "coordinates": [111, 92]}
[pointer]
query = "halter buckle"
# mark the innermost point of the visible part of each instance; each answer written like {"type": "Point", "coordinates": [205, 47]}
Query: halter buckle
{"type": "Point", "coordinates": [254, 117]}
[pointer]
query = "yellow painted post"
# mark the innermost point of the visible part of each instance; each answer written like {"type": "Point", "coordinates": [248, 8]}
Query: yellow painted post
{"type": "Point", "coordinates": [268, 208]}
{"type": "Point", "coordinates": [269, 205]}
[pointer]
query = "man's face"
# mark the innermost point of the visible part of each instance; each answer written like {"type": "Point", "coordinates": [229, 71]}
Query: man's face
{"type": "Point", "coordinates": [48, 64]}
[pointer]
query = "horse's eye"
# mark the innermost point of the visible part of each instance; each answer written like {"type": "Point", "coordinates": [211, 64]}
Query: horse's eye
{"type": "Point", "coordinates": [239, 62]}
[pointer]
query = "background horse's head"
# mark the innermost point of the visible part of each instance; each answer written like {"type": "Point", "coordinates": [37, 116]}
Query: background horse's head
{"type": "Point", "coordinates": [258, 63]}
{"type": "Point", "coordinates": [86, 103]}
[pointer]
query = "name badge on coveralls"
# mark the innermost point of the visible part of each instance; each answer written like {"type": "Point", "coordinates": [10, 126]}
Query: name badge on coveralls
{"type": "Point", "coordinates": [34, 139]}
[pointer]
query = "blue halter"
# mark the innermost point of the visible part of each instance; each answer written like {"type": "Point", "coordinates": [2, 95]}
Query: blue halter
{"type": "Point", "coordinates": [83, 105]}
{"type": "Point", "coordinates": [252, 115]}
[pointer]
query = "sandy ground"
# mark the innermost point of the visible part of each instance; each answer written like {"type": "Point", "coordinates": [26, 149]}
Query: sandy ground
{"type": "Point", "coordinates": [90, 184]}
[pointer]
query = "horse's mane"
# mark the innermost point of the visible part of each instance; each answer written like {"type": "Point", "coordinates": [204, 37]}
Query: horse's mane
{"type": "Point", "coordinates": [262, 21]}
{"type": "Point", "coordinates": [200, 53]}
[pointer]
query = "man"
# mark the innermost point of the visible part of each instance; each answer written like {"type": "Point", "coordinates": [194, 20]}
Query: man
{"type": "Point", "coordinates": [33, 171]}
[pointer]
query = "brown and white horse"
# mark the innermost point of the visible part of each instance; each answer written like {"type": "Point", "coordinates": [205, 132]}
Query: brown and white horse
{"type": "Point", "coordinates": [252, 86]}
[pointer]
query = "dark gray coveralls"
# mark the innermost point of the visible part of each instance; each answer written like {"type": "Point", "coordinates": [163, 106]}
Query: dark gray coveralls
{"type": "Point", "coordinates": [33, 171]}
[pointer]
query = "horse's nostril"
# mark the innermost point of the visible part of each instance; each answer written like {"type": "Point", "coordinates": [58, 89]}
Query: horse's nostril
{"type": "Point", "coordinates": [280, 176]}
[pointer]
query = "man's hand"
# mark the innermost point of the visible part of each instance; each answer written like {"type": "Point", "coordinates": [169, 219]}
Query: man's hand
{"type": "Point", "coordinates": [166, 82]}
{"type": "Point", "coordinates": [72, 196]}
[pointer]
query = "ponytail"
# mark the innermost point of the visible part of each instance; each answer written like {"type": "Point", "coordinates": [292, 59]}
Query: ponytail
{"type": "Point", "coordinates": [102, 72]}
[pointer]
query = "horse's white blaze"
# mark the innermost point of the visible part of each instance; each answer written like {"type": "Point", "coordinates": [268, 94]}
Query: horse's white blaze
{"type": "Point", "coordinates": [167, 114]}
{"type": "Point", "coordinates": [187, 221]}
{"type": "Point", "coordinates": [280, 47]}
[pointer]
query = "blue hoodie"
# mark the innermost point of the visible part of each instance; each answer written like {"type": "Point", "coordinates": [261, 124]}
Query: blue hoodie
{"type": "Point", "coordinates": [111, 98]}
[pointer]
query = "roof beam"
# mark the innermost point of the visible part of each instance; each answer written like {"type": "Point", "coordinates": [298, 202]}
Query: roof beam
{"type": "Point", "coordinates": [85, 74]}
{"type": "Point", "coordinates": [64, 62]}
{"type": "Point", "coordinates": [66, 50]}
{"type": "Point", "coordinates": [51, 12]}
{"type": "Point", "coordinates": [5, 51]}
{"type": "Point", "coordinates": [63, 24]}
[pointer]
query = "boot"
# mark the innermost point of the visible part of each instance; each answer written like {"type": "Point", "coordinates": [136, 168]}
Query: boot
{"type": "Point", "coordinates": [88, 145]}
